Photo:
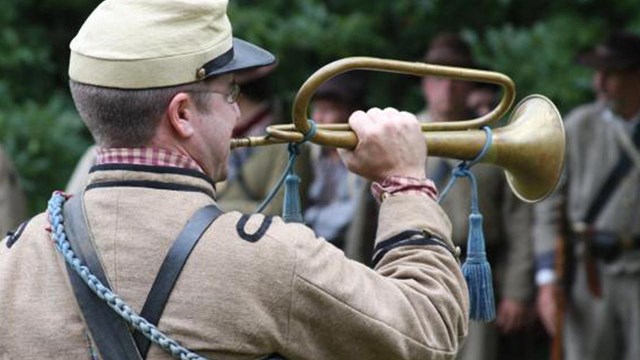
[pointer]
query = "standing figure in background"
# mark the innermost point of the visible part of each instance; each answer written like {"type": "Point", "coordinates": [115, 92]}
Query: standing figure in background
{"type": "Point", "coordinates": [594, 215]}
{"type": "Point", "coordinates": [334, 193]}
{"type": "Point", "coordinates": [507, 220]}
{"type": "Point", "coordinates": [259, 109]}
{"type": "Point", "coordinates": [12, 202]}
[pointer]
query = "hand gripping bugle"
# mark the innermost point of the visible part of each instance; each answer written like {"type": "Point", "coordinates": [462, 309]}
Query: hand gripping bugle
{"type": "Point", "coordinates": [530, 147]}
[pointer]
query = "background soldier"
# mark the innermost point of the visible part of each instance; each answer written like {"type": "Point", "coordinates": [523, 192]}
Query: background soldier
{"type": "Point", "coordinates": [12, 202]}
{"type": "Point", "coordinates": [153, 80]}
{"type": "Point", "coordinates": [507, 220]}
{"type": "Point", "coordinates": [596, 209]}
{"type": "Point", "coordinates": [335, 194]}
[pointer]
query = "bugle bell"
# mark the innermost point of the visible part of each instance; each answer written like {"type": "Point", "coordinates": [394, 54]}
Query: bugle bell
{"type": "Point", "coordinates": [530, 148]}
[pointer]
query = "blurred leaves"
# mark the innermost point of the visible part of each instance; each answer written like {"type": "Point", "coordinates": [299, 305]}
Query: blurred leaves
{"type": "Point", "coordinates": [534, 42]}
{"type": "Point", "coordinates": [45, 141]}
{"type": "Point", "coordinates": [39, 127]}
{"type": "Point", "coordinates": [541, 58]}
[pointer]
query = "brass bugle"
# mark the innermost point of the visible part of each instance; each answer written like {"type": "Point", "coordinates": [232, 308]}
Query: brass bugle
{"type": "Point", "coordinates": [530, 147]}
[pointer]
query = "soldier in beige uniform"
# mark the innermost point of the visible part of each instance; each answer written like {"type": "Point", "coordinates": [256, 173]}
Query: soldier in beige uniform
{"type": "Point", "coordinates": [506, 219]}
{"type": "Point", "coordinates": [153, 80]}
{"type": "Point", "coordinates": [12, 202]}
{"type": "Point", "coordinates": [606, 325]}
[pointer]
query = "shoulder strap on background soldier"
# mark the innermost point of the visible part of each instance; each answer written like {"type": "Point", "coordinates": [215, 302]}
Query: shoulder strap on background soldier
{"type": "Point", "coordinates": [622, 168]}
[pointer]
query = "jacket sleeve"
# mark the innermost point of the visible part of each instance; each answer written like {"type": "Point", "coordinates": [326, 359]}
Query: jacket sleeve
{"type": "Point", "coordinates": [412, 305]}
{"type": "Point", "coordinates": [546, 230]}
{"type": "Point", "coordinates": [517, 283]}
{"type": "Point", "coordinates": [550, 214]}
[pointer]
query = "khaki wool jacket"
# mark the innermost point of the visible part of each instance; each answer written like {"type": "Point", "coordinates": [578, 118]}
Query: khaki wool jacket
{"type": "Point", "coordinates": [289, 292]}
{"type": "Point", "coordinates": [262, 171]}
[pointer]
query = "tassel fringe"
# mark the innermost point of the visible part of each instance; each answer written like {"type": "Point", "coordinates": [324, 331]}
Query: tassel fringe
{"type": "Point", "coordinates": [477, 273]}
{"type": "Point", "coordinates": [291, 211]}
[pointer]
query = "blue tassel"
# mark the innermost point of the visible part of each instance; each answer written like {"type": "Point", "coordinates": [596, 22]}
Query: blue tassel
{"type": "Point", "coordinates": [291, 211]}
{"type": "Point", "coordinates": [476, 268]}
{"type": "Point", "coordinates": [477, 273]}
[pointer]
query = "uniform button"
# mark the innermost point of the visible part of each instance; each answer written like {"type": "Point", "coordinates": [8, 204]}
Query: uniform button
{"type": "Point", "coordinates": [200, 74]}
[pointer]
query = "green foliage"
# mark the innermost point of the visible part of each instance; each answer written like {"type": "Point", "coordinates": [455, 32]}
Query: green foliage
{"type": "Point", "coordinates": [534, 42]}
{"type": "Point", "coordinates": [541, 59]}
{"type": "Point", "coordinates": [45, 141]}
{"type": "Point", "coordinates": [38, 125]}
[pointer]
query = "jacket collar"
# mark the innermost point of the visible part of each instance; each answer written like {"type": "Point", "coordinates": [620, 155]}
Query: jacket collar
{"type": "Point", "coordinates": [150, 176]}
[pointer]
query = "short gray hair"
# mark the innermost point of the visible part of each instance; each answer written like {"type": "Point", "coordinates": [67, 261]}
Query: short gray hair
{"type": "Point", "coordinates": [129, 118]}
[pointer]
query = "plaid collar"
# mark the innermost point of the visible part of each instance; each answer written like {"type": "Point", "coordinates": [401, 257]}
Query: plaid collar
{"type": "Point", "coordinates": [145, 156]}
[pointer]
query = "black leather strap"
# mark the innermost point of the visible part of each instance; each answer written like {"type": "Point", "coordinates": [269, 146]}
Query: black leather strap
{"type": "Point", "coordinates": [108, 330]}
{"type": "Point", "coordinates": [171, 268]}
{"type": "Point", "coordinates": [618, 173]}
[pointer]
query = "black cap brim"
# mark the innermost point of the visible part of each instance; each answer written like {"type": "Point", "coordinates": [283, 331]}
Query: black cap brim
{"type": "Point", "coordinates": [242, 56]}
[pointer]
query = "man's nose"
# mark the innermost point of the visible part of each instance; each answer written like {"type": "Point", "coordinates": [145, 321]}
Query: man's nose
{"type": "Point", "coordinates": [599, 79]}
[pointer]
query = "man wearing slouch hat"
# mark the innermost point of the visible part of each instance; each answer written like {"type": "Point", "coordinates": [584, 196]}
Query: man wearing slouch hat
{"type": "Point", "coordinates": [594, 215]}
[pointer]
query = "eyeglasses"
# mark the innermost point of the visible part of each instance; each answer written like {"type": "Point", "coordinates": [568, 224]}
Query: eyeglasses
{"type": "Point", "coordinates": [230, 96]}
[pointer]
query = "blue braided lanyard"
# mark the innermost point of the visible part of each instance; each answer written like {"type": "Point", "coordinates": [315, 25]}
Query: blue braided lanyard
{"type": "Point", "coordinates": [294, 151]}
{"type": "Point", "coordinates": [149, 330]}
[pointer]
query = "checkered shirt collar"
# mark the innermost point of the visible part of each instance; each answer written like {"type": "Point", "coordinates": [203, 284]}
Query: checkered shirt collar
{"type": "Point", "coordinates": [145, 156]}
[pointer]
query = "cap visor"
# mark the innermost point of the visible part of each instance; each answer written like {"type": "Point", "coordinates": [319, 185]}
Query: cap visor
{"type": "Point", "coordinates": [245, 56]}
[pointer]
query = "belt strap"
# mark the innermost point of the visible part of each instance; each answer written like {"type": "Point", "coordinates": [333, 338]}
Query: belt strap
{"type": "Point", "coordinates": [109, 331]}
{"type": "Point", "coordinates": [171, 268]}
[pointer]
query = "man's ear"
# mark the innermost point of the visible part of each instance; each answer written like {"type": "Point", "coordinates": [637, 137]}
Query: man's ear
{"type": "Point", "coordinates": [180, 113]}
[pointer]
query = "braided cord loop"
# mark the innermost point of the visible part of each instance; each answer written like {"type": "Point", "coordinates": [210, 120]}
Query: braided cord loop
{"type": "Point", "coordinates": [294, 151]}
{"type": "Point", "coordinates": [464, 170]}
{"type": "Point", "coordinates": [58, 235]}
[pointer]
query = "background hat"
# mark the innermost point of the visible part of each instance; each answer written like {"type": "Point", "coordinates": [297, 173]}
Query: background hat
{"type": "Point", "coordinates": [157, 43]}
{"type": "Point", "coordinates": [346, 88]}
{"type": "Point", "coordinates": [620, 51]}
{"type": "Point", "coordinates": [451, 50]}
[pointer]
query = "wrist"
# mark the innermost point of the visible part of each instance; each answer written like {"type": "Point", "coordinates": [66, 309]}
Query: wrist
{"type": "Point", "coordinates": [394, 185]}
{"type": "Point", "coordinates": [545, 277]}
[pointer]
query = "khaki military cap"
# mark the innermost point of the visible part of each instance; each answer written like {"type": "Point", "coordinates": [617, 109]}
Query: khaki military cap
{"type": "Point", "coordinates": [136, 44]}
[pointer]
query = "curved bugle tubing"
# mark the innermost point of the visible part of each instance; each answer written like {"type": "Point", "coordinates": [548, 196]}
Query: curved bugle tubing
{"type": "Point", "coordinates": [530, 148]}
